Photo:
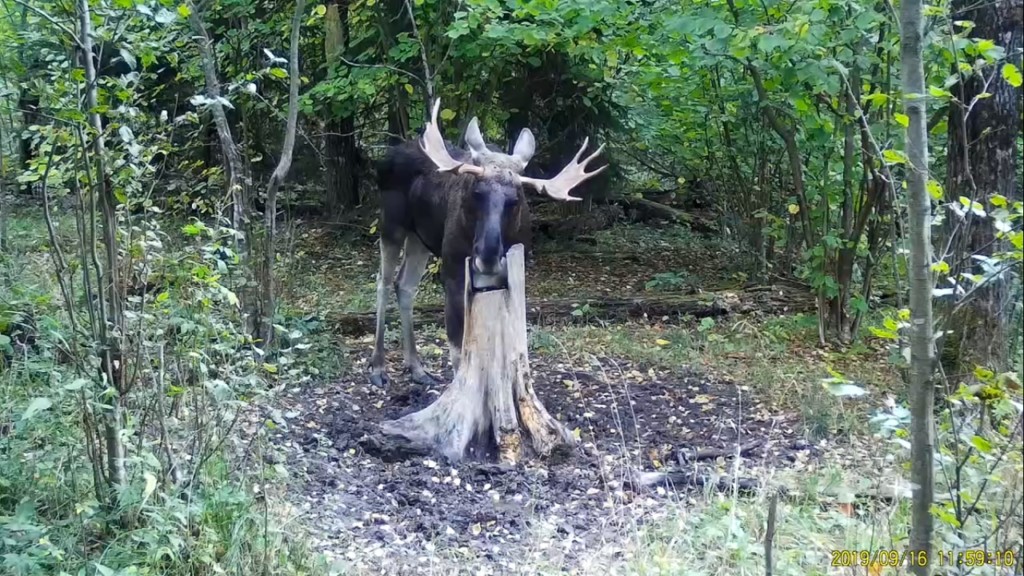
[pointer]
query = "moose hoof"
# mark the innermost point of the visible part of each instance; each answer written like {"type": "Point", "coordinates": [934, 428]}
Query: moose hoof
{"type": "Point", "coordinates": [379, 379]}
{"type": "Point", "coordinates": [424, 378]}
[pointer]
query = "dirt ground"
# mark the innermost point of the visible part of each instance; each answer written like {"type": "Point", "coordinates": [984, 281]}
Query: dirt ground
{"type": "Point", "coordinates": [420, 515]}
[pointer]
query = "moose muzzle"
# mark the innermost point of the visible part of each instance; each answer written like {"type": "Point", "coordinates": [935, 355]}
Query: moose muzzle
{"type": "Point", "coordinates": [488, 277]}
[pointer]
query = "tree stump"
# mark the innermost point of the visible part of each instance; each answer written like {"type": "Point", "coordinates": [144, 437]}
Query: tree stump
{"type": "Point", "coordinates": [490, 406]}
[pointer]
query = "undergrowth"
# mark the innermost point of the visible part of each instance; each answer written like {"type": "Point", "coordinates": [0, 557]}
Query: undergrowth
{"type": "Point", "coordinates": [206, 513]}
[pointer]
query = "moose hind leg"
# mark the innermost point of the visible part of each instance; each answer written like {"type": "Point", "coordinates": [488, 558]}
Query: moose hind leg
{"type": "Point", "coordinates": [414, 262]}
{"type": "Point", "coordinates": [389, 251]}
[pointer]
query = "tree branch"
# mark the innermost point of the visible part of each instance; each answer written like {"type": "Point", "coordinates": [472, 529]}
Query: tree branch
{"type": "Point", "coordinates": [283, 165]}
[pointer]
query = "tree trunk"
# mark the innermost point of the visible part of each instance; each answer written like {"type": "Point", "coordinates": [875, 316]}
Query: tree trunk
{"type": "Point", "coordinates": [922, 350]}
{"type": "Point", "coordinates": [340, 141]}
{"type": "Point", "coordinates": [983, 162]}
{"type": "Point", "coordinates": [393, 23]}
{"type": "Point", "coordinates": [491, 407]}
{"type": "Point", "coordinates": [112, 324]}
{"type": "Point", "coordinates": [239, 175]}
{"type": "Point", "coordinates": [268, 301]}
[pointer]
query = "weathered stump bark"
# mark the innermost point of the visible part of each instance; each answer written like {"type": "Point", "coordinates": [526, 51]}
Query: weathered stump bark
{"type": "Point", "coordinates": [490, 406]}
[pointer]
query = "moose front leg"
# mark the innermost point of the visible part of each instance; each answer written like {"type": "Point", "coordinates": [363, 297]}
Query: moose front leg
{"type": "Point", "coordinates": [389, 251]}
{"type": "Point", "coordinates": [414, 263]}
{"type": "Point", "coordinates": [454, 313]}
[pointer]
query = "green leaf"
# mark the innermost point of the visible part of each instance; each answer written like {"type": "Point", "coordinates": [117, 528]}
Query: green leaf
{"type": "Point", "coordinates": [983, 374]}
{"type": "Point", "coordinates": [998, 200]}
{"type": "Point", "coordinates": [408, 88]}
{"type": "Point", "coordinates": [164, 16]}
{"type": "Point", "coordinates": [877, 98]}
{"type": "Point", "coordinates": [321, 10]}
{"type": "Point", "coordinates": [983, 446]}
{"type": "Point", "coordinates": [279, 73]}
{"type": "Point", "coordinates": [184, 11]}
{"type": "Point", "coordinates": [883, 334]}
{"type": "Point", "coordinates": [941, 267]}
{"type": "Point", "coordinates": [769, 42]}
{"type": "Point", "coordinates": [937, 92]}
{"type": "Point", "coordinates": [945, 515]}
{"type": "Point", "coordinates": [447, 114]}
{"type": "Point", "coordinates": [1012, 75]}
{"type": "Point", "coordinates": [77, 384]}
{"type": "Point", "coordinates": [973, 206]}
{"type": "Point", "coordinates": [894, 156]}
{"type": "Point", "coordinates": [934, 189]}
{"type": "Point", "coordinates": [838, 387]}
{"type": "Point", "coordinates": [36, 406]}
{"type": "Point", "coordinates": [901, 119]}
{"type": "Point", "coordinates": [1017, 239]}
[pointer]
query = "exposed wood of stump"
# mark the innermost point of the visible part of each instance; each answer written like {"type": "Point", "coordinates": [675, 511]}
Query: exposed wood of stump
{"type": "Point", "coordinates": [491, 403]}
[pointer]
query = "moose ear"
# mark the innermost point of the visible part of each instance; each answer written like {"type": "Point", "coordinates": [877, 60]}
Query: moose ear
{"type": "Point", "coordinates": [474, 139]}
{"type": "Point", "coordinates": [525, 146]}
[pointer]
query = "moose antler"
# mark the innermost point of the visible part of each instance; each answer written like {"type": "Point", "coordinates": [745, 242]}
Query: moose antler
{"type": "Point", "coordinates": [571, 176]}
{"type": "Point", "coordinates": [433, 146]}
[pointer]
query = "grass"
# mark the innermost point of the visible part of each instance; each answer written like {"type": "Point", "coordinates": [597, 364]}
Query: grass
{"type": "Point", "coordinates": [776, 357]}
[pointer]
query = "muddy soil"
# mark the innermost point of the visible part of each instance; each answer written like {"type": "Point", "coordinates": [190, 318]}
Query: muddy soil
{"type": "Point", "coordinates": [425, 516]}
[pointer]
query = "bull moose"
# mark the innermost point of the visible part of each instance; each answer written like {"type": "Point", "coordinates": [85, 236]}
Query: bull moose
{"type": "Point", "coordinates": [439, 199]}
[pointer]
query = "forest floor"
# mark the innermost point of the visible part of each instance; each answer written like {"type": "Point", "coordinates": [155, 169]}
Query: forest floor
{"type": "Point", "coordinates": [732, 398]}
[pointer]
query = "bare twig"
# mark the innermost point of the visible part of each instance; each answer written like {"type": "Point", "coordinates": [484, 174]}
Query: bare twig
{"type": "Point", "coordinates": [428, 80]}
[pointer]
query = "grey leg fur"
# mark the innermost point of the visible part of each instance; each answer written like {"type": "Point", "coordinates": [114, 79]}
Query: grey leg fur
{"type": "Point", "coordinates": [388, 263]}
{"type": "Point", "coordinates": [414, 262]}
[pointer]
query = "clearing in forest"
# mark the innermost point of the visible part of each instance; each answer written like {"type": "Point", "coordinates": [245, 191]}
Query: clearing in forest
{"type": "Point", "coordinates": [629, 379]}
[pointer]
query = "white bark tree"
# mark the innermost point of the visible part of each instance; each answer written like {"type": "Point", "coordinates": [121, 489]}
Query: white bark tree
{"type": "Point", "coordinates": [922, 349]}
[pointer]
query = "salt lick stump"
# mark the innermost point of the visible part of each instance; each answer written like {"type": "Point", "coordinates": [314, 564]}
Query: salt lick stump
{"type": "Point", "coordinates": [491, 406]}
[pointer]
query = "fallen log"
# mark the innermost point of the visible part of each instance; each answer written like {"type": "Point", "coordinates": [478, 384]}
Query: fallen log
{"type": "Point", "coordinates": [679, 479]}
{"type": "Point", "coordinates": [774, 300]}
{"type": "Point", "coordinates": [684, 456]}
{"type": "Point", "coordinates": [651, 210]}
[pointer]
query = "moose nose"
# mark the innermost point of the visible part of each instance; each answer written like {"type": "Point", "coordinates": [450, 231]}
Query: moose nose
{"type": "Point", "coordinates": [496, 266]}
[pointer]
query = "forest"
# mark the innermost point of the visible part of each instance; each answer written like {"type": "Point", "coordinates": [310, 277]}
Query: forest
{"type": "Point", "coordinates": [344, 287]}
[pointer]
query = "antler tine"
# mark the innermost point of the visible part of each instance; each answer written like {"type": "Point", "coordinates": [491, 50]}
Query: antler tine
{"type": "Point", "coordinates": [579, 152]}
{"type": "Point", "coordinates": [572, 175]}
{"type": "Point", "coordinates": [432, 144]}
{"type": "Point", "coordinates": [591, 157]}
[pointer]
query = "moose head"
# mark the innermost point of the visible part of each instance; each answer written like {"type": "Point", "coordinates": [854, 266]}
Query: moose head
{"type": "Point", "coordinates": [496, 192]}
